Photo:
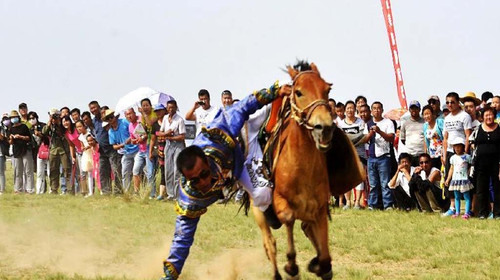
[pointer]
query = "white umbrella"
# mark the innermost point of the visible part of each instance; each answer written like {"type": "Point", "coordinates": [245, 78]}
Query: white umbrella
{"type": "Point", "coordinates": [133, 98]}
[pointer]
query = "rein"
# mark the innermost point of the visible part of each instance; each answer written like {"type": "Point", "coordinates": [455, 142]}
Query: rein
{"type": "Point", "coordinates": [302, 116]}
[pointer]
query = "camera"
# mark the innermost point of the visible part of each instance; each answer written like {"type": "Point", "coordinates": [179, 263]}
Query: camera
{"type": "Point", "coordinates": [55, 116]}
{"type": "Point", "coordinates": [201, 103]}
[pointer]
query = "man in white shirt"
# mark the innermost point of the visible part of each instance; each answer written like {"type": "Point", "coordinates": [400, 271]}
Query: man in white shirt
{"type": "Point", "coordinates": [400, 183]}
{"type": "Point", "coordinates": [379, 134]}
{"type": "Point", "coordinates": [202, 112]}
{"type": "Point", "coordinates": [456, 124]}
{"type": "Point", "coordinates": [412, 133]}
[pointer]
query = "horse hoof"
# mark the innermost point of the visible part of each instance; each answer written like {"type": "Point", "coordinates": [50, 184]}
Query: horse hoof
{"type": "Point", "coordinates": [327, 276]}
{"type": "Point", "coordinates": [314, 266]}
{"type": "Point", "coordinates": [292, 272]}
{"type": "Point", "coordinates": [277, 276]}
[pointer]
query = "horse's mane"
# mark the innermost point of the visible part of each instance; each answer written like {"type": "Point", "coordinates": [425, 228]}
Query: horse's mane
{"type": "Point", "coordinates": [302, 65]}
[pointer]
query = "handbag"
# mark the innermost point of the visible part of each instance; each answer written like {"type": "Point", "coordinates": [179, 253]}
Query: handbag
{"type": "Point", "coordinates": [43, 151]}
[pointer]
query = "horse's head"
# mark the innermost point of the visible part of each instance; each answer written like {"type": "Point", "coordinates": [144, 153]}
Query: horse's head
{"type": "Point", "coordinates": [309, 102]}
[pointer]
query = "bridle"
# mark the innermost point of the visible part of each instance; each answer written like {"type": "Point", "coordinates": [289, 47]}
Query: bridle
{"type": "Point", "coordinates": [302, 116]}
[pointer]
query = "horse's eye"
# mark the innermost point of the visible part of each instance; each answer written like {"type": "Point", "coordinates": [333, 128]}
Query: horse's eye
{"type": "Point", "coordinates": [298, 93]}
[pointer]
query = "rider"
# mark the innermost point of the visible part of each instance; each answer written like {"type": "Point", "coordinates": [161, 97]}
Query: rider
{"type": "Point", "coordinates": [208, 166]}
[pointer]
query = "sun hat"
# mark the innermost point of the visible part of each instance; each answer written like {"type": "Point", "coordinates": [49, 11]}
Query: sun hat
{"type": "Point", "coordinates": [13, 114]}
{"type": "Point", "coordinates": [457, 140]}
{"type": "Point", "coordinates": [107, 114]}
{"type": "Point", "coordinates": [470, 96]}
{"type": "Point", "coordinates": [54, 111]}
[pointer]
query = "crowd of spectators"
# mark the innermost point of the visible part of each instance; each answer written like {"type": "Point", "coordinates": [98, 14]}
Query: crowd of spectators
{"type": "Point", "coordinates": [428, 159]}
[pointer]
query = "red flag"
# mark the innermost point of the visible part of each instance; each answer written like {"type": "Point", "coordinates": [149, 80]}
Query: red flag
{"type": "Point", "coordinates": [389, 23]}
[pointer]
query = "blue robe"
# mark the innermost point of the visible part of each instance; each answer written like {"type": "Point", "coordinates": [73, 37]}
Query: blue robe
{"type": "Point", "coordinates": [225, 157]}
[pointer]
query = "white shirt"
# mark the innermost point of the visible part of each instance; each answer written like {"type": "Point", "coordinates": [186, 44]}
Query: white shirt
{"type": "Point", "coordinates": [381, 145]}
{"type": "Point", "coordinates": [456, 125]}
{"type": "Point", "coordinates": [177, 125]}
{"type": "Point", "coordinates": [424, 176]}
{"type": "Point", "coordinates": [402, 181]}
{"type": "Point", "coordinates": [204, 117]}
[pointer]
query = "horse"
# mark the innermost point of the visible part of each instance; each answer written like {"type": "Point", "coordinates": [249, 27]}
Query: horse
{"type": "Point", "coordinates": [301, 177]}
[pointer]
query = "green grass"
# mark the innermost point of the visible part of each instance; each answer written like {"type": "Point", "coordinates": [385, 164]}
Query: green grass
{"type": "Point", "coordinates": [69, 237]}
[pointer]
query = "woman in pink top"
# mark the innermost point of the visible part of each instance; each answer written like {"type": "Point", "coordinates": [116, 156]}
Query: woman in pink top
{"type": "Point", "coordinates": [75, 148]}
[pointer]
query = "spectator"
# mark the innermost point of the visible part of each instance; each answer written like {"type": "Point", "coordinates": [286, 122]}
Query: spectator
{"type": "Point", "coordinates": [64, 111]}
{"type": "Point", "coordinates": [485, 97]}
{"type": "Point", "coordinates": [22, 159]}
{"type": "Point", "coordinates": [87, 165]}
{"type": "Point", "coordinates": [400, 183]}
{"type": "Point", "coordinates": [435, 104]}
{"type": "Point", "coordinates": [23, 112]}
{"type": "Point", "coordinates": [174, 130]}
{"type": "Point", "coordinates": [470, 103]}
{"type": "Point", "coordinates": [486, 165]}
{"type": "Point", "coordinates": [226, 98]}
{"type": "Point", "coordinates": [119, 137]}
{"type": "Point", "coordinates": [58, 152]}
{"type": "Point", "coordinates": [41, 158]}
{"type": "Point", "coordinates": [149, 117]}
{"type": "Point", "coordinates": [412, 133]}
{"type": "Point", "coordinates": [425, 185]}
{"type": "Point", "coordinates": [456, 125]}
{"type": "Point", "coordinates": [360, 101]}
{"type": "Point", "coordinates": [446, 111]}
{"type": "Point", "coordinates": [354, 127]}
{"type": "Point", "coordinates": [94, 148]}
{"type": "Point", "coordinates": [138, 136]}
{"type": "Point", "coordinates": [75, 114]}
{"type": "Point", "coordinates": [108, 157]}
{"type": "Point", "coordinates": [458, 176]}
{"type": "Point", "coordinates": [4, 148]}
{"type": "Point", "coordinates": [157, 148]}
{"type": "Point", "coordinates": [433, 135]}
{"type": "Point", "coordinates": [87, 120]}
{"type": "Point", "coordinates": [201, 112]}
{"type": "Point", "coordinates": [340, 111]}
{"type": "Point", "coordinates": [332, 103]}
{"type": "Point", "coordinates": [379, 133]}
{"type": "Point", "coordinates": [495, 103]}
{"type": "Point", "coordinates": [75, 152]}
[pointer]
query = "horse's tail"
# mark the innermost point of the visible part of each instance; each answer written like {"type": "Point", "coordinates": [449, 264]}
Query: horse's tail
{"type": "Point", "coordinates": [245, 204]}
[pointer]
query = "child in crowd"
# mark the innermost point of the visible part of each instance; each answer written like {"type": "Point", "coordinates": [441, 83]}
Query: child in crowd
{"type": "Point", "coordinates": [87, 162]}
{"type": "Point", "coordinates": [458, 179]}
{"type": "Point", "coordinates": [94, 147]}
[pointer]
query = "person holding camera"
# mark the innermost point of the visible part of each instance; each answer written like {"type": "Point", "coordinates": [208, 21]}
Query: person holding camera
{"type": "Point", "coordinates": [57, 153]}
{"type": "Point", "coordinates": [202, 112]}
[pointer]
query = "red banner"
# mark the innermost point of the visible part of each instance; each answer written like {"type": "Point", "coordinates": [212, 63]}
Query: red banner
{"type": "Point", "coordinates": [389, 23]}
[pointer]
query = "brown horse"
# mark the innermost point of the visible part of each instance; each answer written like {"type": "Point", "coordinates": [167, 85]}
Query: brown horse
{"type": "Point", "coordinates": [301, 176]}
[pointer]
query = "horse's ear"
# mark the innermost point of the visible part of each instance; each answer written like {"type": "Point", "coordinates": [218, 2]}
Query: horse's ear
{"type": "Point", "coordinates": [292, 72]}
{"type": "Point", "coordinates": [314, 67]}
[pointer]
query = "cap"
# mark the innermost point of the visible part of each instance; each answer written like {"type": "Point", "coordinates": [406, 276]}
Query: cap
{"type": "Point", "coordinates": [54, 111]}
{"type": "Point", "coordinates": [159, 106]}
{"type": "Point", "coordinates": [433, 97]}
{"type": "Point", "coordinates": [13, 113]}
{"type": "Point", "coordinates": [5, 115]}
{"type": "Point", "coordinates": [415, 103]}
{"type": "Point", "coordinates": [457, 140]}
{"type": "Point", "coordinates": [23, 105]}
{"type": "Point", "coordinates": [470, 96]}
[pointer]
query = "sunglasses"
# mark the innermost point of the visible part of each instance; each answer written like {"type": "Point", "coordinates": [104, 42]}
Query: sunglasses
{"type": "Point", "coordinates": [432, 102]}
{"type": "Point", "coordinates": [450, 102]}
{"type": "Point", "coordinates": [203, 175]}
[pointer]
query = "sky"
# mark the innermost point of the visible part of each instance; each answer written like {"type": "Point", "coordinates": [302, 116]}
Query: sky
{"type": "Point", "coordinates": [67, 53]}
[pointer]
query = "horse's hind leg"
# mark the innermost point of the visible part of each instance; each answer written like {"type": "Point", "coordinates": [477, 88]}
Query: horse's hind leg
{"type": "Point", "coordinates": [291, 267]}
{"type": "Point", "coordinates": [268, 240]}
{"type": "Point", "coordinates": [317, 232]}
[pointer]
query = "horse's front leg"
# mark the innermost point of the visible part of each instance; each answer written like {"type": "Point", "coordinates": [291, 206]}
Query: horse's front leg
{"type": "Point", "coordinates": [318, 234]}
{"type": "Point", "coordinates": [291, 268]}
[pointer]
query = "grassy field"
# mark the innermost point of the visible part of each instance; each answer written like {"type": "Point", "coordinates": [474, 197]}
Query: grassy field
{"type": "Point", "coordinates": [69, 237]}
